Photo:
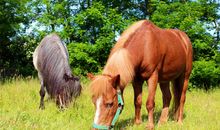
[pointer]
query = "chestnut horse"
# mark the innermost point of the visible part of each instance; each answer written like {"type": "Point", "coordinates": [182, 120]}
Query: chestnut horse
{"type": "Point", "coordinates": [144, 52]}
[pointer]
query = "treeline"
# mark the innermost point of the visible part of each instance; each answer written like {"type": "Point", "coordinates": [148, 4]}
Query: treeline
{"type": "Point", "coordinates": [91, 27]}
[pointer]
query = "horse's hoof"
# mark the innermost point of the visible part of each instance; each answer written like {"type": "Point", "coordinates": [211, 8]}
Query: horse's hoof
{"type": "Point", "coordinates": [41, 107]}
{"type": "Point", "coordinates": [137, 122]}
{"type": "Point", "coordinates": [150, 126]}
{"type": "Point", "coordinates": [180, 122]}
{"type": "Point", "coordinates": [161, 123]}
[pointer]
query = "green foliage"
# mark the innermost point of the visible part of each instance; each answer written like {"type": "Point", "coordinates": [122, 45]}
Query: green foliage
{"type": "Point", "coordinates": [90, 29]}
{"type": "Point", "coordinates": [95, 29]}
{"type": "Point", "coordinates": [81, 58]}
{"type": "Point", "coordinates": [205, 74]}
{"type": "Point", "coordinates": [13, 61]}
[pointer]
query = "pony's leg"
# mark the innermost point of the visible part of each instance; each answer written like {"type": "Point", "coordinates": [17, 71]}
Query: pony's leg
{"type": "Point", "coordinates": [152, 85]}
{"type": "Point", "coordinates": [61, 102]}
{"type": "Point", "coordinates": [137, 86]}
{"type": "Point", "coordinates": [182, 100]}
{"type": "Point", "coordinates": [165, 89]}
{"type": "Point", "coordinates": [42, 94]}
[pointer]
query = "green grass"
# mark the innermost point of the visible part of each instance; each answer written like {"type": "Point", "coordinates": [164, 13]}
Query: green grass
{"type": "Point", "coordinates": [19, 101]}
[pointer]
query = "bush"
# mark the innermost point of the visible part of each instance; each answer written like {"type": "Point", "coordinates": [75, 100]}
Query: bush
{"type": "Point", "coordinates": [205, 74]}
{"type": "Point", "coordinates": [81, 57]}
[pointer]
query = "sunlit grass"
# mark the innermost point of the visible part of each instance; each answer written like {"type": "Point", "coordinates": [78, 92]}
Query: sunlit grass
{"type": "Point", "coordinates": [19, 102]}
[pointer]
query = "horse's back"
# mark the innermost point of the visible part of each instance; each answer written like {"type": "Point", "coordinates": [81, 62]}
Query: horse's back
{"type": "Point", "coordinates": [168, 51]}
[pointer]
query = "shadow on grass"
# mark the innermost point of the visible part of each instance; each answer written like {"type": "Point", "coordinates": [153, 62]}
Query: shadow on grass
{"type": "Point", "coordinates": [171, 116]}
{"type": "Point", "coordinates": [130, 121]}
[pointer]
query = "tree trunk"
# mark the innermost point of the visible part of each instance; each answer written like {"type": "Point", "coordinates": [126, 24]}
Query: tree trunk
{"type": "Point", "coordinates": [146, 11]}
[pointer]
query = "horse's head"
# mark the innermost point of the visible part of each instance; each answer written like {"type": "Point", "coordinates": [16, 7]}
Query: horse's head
{"type": "Point", "coordinates": [106, 100]}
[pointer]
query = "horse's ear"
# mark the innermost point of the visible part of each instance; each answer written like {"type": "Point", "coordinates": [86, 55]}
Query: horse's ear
{"type": "Point", "coordinates": [65, 77]}
{"type": "Point", "coordinates": [76, 78]}
{"type": "Point", "coordinates": [90, 76]}
{"type": "Point", "coordinates": [115, 81]}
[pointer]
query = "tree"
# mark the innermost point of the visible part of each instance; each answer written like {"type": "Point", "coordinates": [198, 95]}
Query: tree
{"type": "Point", "coordinates": [12, 54]}
{"type": "Point", "coordinates": [95, 32]}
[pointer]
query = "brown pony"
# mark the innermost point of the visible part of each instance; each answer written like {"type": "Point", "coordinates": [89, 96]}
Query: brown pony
{"type": "Point", "coordinates": [144, 52]}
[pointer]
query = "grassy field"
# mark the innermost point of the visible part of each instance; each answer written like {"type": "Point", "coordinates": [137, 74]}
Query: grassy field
{"type": "Point", "coordinates": [19, 101]}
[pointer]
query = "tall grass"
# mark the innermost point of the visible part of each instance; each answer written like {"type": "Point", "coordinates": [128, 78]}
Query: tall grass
{"type": "Point", "coordinates": [19, 102]}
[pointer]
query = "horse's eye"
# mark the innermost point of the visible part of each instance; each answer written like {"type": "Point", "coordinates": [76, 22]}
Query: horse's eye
{"type": "Point", "coordinates": [109, 105]}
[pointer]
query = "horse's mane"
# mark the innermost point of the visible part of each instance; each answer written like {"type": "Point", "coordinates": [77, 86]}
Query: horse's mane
{"type": "Point", "coordinates": [120, 63]}
{"type": "Point", "coordinates": [99, 85]}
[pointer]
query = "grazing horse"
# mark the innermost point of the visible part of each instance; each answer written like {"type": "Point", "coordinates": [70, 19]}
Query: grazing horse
{"type": "Point", "coordinates": [50, 59]}
{"type": "Point", "coordinates": [144, 52]}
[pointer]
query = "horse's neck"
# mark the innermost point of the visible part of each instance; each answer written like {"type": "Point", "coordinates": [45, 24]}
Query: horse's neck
{"type": "Point", "coordinates": [119, 63]}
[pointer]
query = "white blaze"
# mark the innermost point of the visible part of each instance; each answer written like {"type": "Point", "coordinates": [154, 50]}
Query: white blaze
{"type": "Point", "coordinates": [98, 110]}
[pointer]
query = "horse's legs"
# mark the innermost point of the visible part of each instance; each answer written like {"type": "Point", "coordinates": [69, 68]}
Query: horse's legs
{"type": "Point", "coordinates": [42, 94]}
{"type": "Point", "coordinates": [166, 102]}
{"type": "Point", "coordinates": [137, 86]}
{"type": "Point", "coordinates": [152, 85]}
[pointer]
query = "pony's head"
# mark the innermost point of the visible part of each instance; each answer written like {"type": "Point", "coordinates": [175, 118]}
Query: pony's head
{"type": "Point", "coordinates": [73, 83]}
{"type": "Point", "coordinates": [69, 89]}
{"type": "Point", "coordinates": [105, 98]}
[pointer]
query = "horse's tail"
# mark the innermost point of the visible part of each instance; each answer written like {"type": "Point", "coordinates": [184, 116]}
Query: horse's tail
{"type": "Point", "coordinates": [178, 83]}
{"type": "Point", "coordinates": [176, 89]}
{"type": "Point", "coordinates": [35, 58]}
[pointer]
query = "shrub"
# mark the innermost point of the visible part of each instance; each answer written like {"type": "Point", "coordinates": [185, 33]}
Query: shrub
{"type": "Point", "coordinates": [81, 57]}
{"type": "Point", "coordinates": [205, 74]}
